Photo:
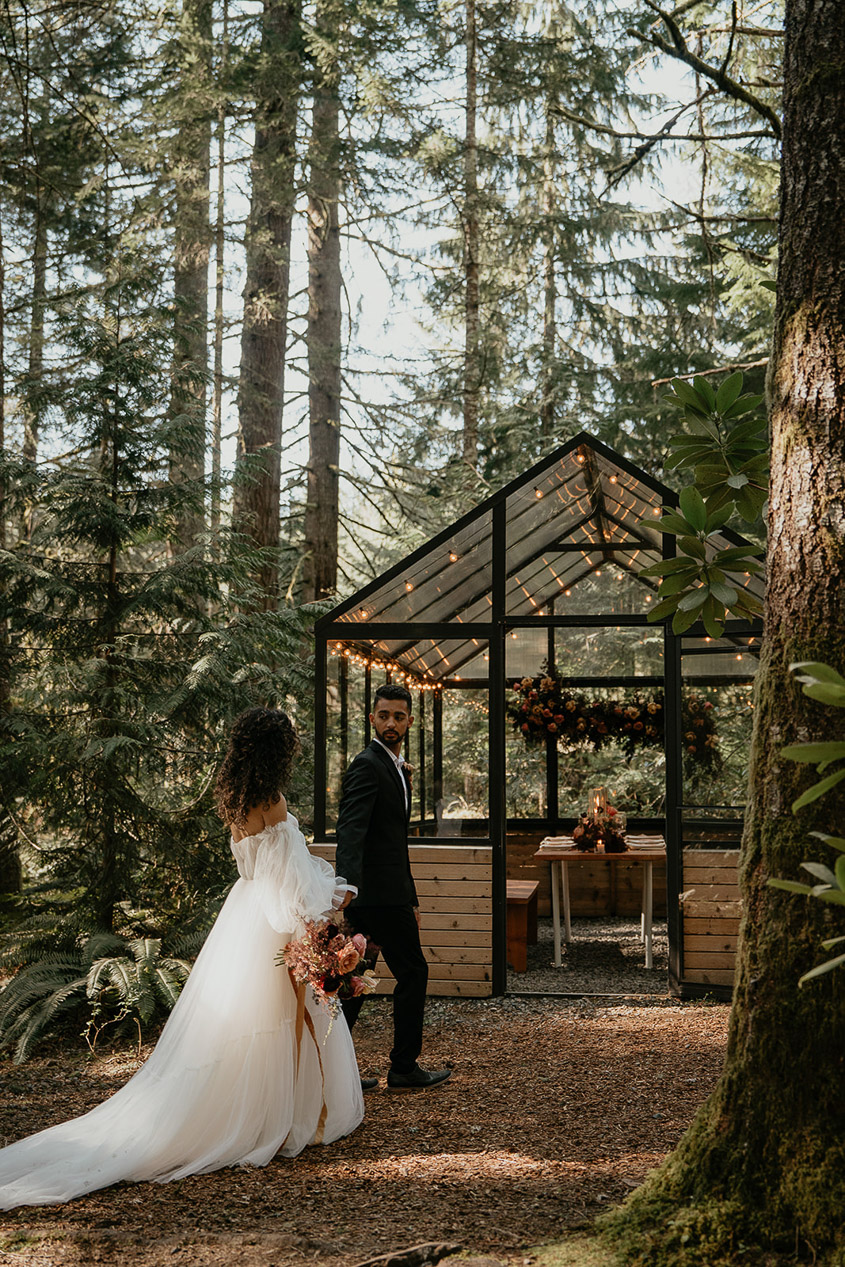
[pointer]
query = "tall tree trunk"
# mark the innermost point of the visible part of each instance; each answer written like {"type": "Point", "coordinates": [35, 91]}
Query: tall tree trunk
{"type": "Point", "coordinates": [219, 278]}
{"type": "Point", "coordinates": [548, 381]}
{"type": "Point", "coordinates": [10, 867]}
{"type": "Point", "coordinates": [31, 407]}
{"type": "Point", "coordinates": [324, 284]}
{"type": "Point", "coordinates": [472, 351]}
{"type": "Point", "coordinates": [764, 1161]}
{"type": "Point", "coordinates": [261, 395]}
{"type": "Point", "coordinates": [190, 273]}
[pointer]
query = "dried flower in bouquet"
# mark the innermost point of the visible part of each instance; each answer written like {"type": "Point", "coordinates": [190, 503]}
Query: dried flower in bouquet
{"type": "Point", "coordinates": [330, 962]}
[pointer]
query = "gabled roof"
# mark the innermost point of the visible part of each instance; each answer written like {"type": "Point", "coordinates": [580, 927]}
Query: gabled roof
{"type": "Point", "coordinates": [582, 506]}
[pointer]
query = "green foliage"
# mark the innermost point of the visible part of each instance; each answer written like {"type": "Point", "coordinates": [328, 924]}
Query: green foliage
{"type": "Point", "coordinates": [820, 682]}
{"type": "Point", "coordinates": [729, 458]}
{"type": "Point", "coordinates": [703, 581]}
{"type": "Point", "coordinates": [99, 980]}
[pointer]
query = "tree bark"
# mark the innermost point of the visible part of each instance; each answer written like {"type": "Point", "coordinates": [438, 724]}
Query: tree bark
{"type": "Point", "coordinates": [472, 350]}
{"type": "Point", "coordinates": [548, 381]}
{"type": "Point", "coordinates": [763, 1163]}
{"type": "Point", "coordinates": [261, 396]}
{"type": "Point", "coordinates": [219, 280]}
{"type": "Point", "coordinates": [324, 333]}
{"type": "Point", "coordinates": [10, 866]}
{"type": "Point", "coordinates": [190, 273]}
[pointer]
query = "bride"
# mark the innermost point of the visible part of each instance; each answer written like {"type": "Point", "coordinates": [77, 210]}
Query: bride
{"type": "Point", "coordinates": [247, 1066]}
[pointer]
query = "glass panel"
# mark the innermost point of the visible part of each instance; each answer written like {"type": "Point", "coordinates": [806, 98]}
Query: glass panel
{"type": "Point", "coordinates": [717, 712]}
{"type": "Point", "coordinates": [605, 588]}
{"type": "Point", "coordinates": [526, 655]}
{"type": "Point", "coordinates": [611, 651]}
{"type": "Point", "coordinates": [449, 580]}
{"type": "Point", "coordinates": [465, 793]}
{"type": "Point", "coordinates": [632, 766]}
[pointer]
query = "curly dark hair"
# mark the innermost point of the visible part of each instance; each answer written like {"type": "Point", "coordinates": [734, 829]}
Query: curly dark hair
{"type": "Point", "coordinates": [256, 768]}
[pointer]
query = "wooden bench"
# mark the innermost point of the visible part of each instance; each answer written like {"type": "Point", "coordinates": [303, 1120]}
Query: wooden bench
{"type": "Point", "coordinates": [522, 921]}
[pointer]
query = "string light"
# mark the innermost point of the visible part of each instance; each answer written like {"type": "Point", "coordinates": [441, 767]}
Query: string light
{"type": "Point", "coordinates": [409, 586]}
{"type": "Point", "coordinates": [369, 662]}
{"type": "Point", "coordinates": [453, 558]}
{"type": "Point", "coordinates": [613, 479]}
{"type": "Point", "coordinates": [538, 492]}
{"type": "Point", "coordinates": [580, 458]}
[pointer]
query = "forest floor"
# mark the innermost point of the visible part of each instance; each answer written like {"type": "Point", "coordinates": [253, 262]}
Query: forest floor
{"type": "Point", "coordinates": [556, 1109]}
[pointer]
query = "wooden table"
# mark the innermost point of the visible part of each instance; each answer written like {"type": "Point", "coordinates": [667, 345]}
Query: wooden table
{"type": "Point", "coordinates": [559, 852]}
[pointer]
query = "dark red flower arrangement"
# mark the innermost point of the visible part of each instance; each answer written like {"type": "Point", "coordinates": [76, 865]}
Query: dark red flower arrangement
{"type": "Point", "coordinates": [541, 708]}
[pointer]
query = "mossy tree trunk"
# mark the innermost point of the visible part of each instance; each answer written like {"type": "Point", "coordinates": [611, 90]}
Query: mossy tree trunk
{"type": "Point", "coordinates": [324, 325]}
{"type": "Point", "coordinates": [764, 1163]}
{"type": "Point", "coordinates": [257, 495]}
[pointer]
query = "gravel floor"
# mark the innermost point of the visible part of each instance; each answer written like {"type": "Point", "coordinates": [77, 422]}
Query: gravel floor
{"type": "Point", "coordinates": [605, 956]}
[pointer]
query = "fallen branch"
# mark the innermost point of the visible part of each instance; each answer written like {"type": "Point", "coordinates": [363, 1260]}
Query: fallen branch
{"type": "Point", "coordinates": [415, 1256]}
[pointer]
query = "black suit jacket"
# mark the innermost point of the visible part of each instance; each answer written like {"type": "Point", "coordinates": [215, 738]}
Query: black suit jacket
{"type": "Point", "coordinates": [372, 831]}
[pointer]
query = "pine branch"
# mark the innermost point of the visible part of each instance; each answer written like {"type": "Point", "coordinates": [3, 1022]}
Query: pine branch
{"type": "Point", "coordinates": [678, 48]}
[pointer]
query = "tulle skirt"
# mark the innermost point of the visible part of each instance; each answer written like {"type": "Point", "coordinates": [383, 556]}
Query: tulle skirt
{"type": "Point", "coordinates": [247, 1066]}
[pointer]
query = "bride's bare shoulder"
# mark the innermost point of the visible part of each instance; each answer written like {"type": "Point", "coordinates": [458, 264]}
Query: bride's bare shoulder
{"type": "Point", "coordinates": [261, 817]}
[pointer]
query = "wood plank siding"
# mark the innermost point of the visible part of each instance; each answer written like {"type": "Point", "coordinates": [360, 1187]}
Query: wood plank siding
{"type": "Point", "coordinates": [710, 913]}
{"type": "Point", "coordinates": [455, 888]}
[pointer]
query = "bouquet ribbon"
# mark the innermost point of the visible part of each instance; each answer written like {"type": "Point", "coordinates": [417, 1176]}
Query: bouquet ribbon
{"type": "Point", "coordinates": [304, 1021]}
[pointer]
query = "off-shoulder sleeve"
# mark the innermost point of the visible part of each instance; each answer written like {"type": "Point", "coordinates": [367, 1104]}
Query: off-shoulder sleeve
{"type": "Point", "coordinates": [294, 885]}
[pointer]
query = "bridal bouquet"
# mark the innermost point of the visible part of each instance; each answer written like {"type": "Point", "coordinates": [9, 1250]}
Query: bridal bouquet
{"type": "Point", "coordinates": [330, 962]}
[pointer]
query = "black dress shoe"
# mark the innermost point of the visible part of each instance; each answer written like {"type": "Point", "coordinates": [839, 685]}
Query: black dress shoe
{"type": "Point", "coordinates": [417, 1077]}
{"type": "Point", "coordinates": [367, 1084]}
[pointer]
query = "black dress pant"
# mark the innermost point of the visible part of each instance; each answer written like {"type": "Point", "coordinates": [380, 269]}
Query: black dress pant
{"type": "Point", "coordinates": [395, 932]}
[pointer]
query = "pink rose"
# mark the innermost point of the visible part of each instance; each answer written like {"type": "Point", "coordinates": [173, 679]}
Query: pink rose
{"type": "Point", "coordinates": [358, 985]}
{"type": "Point", "coordinates": [359, 941]}
{"type": "Point", "coordinates": [347, 959]}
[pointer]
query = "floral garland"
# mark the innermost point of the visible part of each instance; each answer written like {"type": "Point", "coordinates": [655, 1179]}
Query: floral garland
{"type": "Point", "coordinates": [543, 708]}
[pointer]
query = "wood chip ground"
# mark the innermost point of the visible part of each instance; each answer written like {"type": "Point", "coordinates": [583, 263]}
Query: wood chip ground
{"type": "Point", "coordinates": [556, 1109]}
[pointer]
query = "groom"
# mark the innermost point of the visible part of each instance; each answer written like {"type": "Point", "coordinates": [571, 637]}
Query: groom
{"type": "Point", "coordinates": [372, 854]}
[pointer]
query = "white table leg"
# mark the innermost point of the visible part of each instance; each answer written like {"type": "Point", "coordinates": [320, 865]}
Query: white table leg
{"type": "Point", "coordinates": [647, 911]}
{"type": "Point", "coordinates": [564, 878]}
{"type": "Point", "coordinates": [556, 910]}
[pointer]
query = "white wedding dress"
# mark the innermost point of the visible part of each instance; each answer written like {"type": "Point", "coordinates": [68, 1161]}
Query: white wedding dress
{"type": "Point", "coordinates": [247, 1066]}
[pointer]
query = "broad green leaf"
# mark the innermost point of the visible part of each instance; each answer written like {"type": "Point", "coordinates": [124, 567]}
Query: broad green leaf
{"type": "Point", "coordinates": [769, 285]}
{"type": "Point", "coordinates": [817, 790]}
{"type": "Point", "coordinates": [682, 621]}
{"type": "Point", "coordinates": [737, 553]}
{"type": "Point", "coordinates": [705, 391]}
{"type": "Point", "coordinates": [789, 886]}
{"type": "Point", "coordinates": [667, 566]}
{"type": "Point", "coordinates": [713, 616]}
{"type": "Point", "coordinates": [737, 481]}
{"type": "Point", "coordinates": [835, 842]}
{"type": "Point", "coordinates": [815, 671]}
{"type": "Point", "coordinates": [717, 519]}
{"type": "Point", "coordinates": [674, 584]}
{"type": "Point", "coordinates": [839, 871]}
{"type": "Point", "coordinates": [692, 545]}
{"type": "Point", "coordinates": [821, 872]}
{"type": "Point", "coordinates": [692, 601]}
{"type": "Point", "coordinates": [672, 523]}
{"type": "Point", "coordinates": [823, 752]}
{"type": "Point", "coordinates": [663, 609]}
{"type": "Point", "coordinates": [743, 406]}
{"type": "Point", "coordinates": [729, 390]}
{"type": "Point", "coordinates": [687, 395]}
{"type": "Point", "coordinates": [827, 693]}
{"type": "Point", "coordinates": [724, 593]}
{"type": "Point", "coordinates": [692, 505]}
{"type": "Point", "coordinates": [831, 942]}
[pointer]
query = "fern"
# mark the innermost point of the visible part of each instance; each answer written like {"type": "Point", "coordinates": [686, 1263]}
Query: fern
{"type": "Point", "coordinates": [114, 979]}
